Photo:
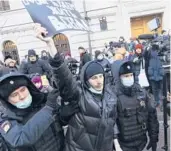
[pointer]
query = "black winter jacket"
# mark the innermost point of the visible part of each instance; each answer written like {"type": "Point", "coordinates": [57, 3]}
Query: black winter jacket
{"type": "Point", "coordinates": [40, 67]}
{"type": "Point", "coordinates": [84, 58]}
{"type": "Point", "coordinates": [93, 128]}
{"type": "Point", "coordinates": [137, 66]}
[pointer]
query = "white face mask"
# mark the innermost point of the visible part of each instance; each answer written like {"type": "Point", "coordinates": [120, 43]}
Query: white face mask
{"type": "Point", "coordinates": [127, 81]}
{"type": "Point", "coordinates": [25, 103]}
{"type": "Point", "coordinates": [100, 57]}
{"type": "Point", "coordinates": [95, 91]}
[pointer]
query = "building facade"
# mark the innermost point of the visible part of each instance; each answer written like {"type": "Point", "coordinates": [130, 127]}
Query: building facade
{"type": "Point", "coordinates": [107, 20]}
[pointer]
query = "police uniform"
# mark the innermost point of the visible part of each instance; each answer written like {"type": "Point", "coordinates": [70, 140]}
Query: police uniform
{"type": "Point", "coordinates": [32, 129]}
{"type": "Point", "coordinates": [136, 116]}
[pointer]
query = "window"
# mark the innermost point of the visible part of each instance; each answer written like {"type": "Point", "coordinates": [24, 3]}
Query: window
{"type": "Point", "coordinates": [10, 49]}
{"type": "Point", "coordinates": [103, 24]}
{"type": "Point", "coordinates": [62, 43]}
{"type": "Point", "coordinates": [4, 5]}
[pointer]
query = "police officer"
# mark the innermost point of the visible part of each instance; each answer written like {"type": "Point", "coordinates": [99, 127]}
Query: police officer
{"type": "Point", "coordinates": [136, 116]}
{"type": "Point", "coordinates": [30, 120]}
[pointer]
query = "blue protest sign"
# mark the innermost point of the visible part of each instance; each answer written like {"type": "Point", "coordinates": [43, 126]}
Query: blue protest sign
{"type": "Point", "coordinates": [55, 15]}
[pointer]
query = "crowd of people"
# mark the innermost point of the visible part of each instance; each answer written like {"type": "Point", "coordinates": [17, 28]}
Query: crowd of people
{"type": "Point", "coordinates": [103, 106]}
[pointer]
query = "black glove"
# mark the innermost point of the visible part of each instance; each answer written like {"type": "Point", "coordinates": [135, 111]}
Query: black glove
{"type": "Point", "coordinates": [67, 111]}
{"type": "Point", "coordinates": [56, 61]}
{"type": "Point", "coordinates": [152, 145]}
{"type": "Point", "coordinates": [52, 98]}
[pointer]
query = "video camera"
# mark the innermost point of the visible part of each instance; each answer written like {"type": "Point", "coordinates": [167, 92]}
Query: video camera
{"type": "Point", "coordinates": [153, 41]}
{"type": "Point", "coordinates": [157, 42]}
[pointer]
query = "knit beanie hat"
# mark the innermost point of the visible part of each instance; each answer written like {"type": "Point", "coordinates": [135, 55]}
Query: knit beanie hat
{"type": "Point", "coordinates": [31, 52]}
{"type": "Point", "coordinates": [37, 79]}
{"type": "Point", "coordinates": [93, 69]}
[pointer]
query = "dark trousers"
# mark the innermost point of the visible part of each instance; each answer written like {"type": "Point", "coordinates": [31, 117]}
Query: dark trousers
{"type": "Point", "coordinates": [157, 90]}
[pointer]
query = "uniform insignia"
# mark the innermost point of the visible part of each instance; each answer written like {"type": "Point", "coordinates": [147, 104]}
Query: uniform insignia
{"type": "Point", "coordinates": [128, 67]}
{"type": "Point", "coordinates": [142, 103]}
{"type": "Point", "coordinates": [5, 126]}
{"type": "Point", "coordinates": [11, 82]}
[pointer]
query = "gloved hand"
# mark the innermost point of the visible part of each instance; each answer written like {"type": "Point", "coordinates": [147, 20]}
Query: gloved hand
{"type": "Point", "coordinates": [135, 59]}
{"type": "Point", "coordinates": [52, 97]}
{"type": "Point", "coordinates": [67, 111]}
{"type": "Point", "coordinates": [152, 145]}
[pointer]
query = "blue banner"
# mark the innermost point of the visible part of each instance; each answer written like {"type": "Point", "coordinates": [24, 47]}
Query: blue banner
{"type": "Point", "coordinates": [55, 15]}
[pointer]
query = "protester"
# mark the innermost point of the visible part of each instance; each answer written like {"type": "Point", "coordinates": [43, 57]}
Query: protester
{"type": "Point", "coordinates": [136, 116]}
{"type": "Point", "coordinates": [99, 57]}
{"type": "Point", "coordinates": [84, 56]}
{"type": "Point", "coordinates": [37, 81]}
{"type": "Point", "coordinates": [137, 59]}
{"type": "Point", "coordinates": [93, 128]}
{"type": "Point", "coordinates": [164, 35]}
{"type": "Point", "coordinates": [123, 43]}
{"type": "Point", "coordinates": [120, 54]}
{"type": "Point", "coordinates": [156, 73]}
{"type": "Point", "coordinates": [45, 56]}
{"type": "Point", "coordinates": [35, 65]}
{"type": "Point", "coordinates": [132, 44]}
{"type": "Point", "coordinates": [32, 120]}
{"type": "Point", "coordinates": [25, 59]}
{"type": "Point", "coordinates": [11, 64]}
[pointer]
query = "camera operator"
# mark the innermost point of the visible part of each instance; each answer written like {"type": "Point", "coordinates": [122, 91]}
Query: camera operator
{"type": "Point", "coordinates": [155, 73]}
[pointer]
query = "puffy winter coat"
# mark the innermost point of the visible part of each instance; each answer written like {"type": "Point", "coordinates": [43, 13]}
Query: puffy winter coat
{"type": "Point", "coordinates": [155, 69]}
{"type": "Point", "coordinates": [93, 128]}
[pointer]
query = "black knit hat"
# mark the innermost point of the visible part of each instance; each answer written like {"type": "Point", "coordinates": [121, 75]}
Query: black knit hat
{"type": "Point", "coordinates": [97, 52]}
{"type": "Point", "coordinates": [31, 52]}
{"type": "Point", "coordinates": [93, 69]}
{"type": "Point", "coordinates": [9, 85]}
{"type": "Point", "coordinates": [126, 68]}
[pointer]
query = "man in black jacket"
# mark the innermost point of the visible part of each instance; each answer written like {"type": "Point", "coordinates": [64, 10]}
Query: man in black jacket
{"type": "Point", "coordinates": [93, 128]}
{"type": "Point", "coordinates": [35, 65]}
{"type": "Point", "coordinates": [136, 116]}
{"type": "Point", "coordinates": [30, 120]}
{"type": "Point", "coordinates": [84, 56]}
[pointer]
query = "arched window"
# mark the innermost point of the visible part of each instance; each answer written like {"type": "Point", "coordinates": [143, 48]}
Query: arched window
{"type": "Point", "coordinates": [4, 5]}
{"type": "Point", "coordinates": [10, 49]}
{"type": "Point", "coordinates": [62, 43]}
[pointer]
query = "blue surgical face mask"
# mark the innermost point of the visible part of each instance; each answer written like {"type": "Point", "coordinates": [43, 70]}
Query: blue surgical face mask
{"type": "Point", "coordinates": [127, 81]}
{"type": "Point", "coordinates": [24, 103]}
